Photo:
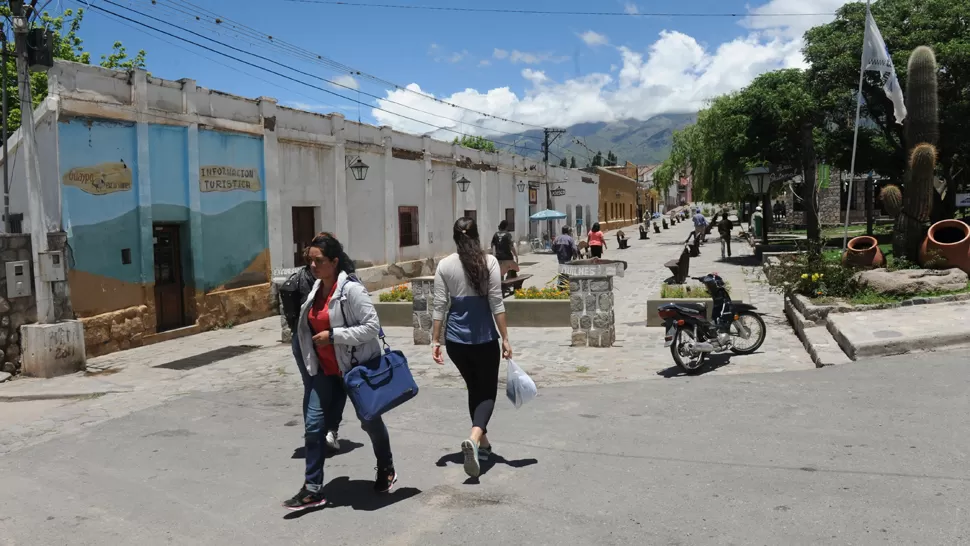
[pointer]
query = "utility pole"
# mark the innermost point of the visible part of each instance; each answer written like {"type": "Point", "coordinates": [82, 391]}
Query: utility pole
{"type": "Point", "coordinates": [35, 201]}
{"type": "Point", "coordinates": [555, 133]}
{"type": "Point", "coordinates": [6, 169]}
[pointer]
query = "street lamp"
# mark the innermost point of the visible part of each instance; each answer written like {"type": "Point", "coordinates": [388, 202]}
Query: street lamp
{"type": "Point", "coordinates": [359, 169]}
{"type": "Point", "coordinates": [760, 180]}
{"type": "Point", "coordinates": [521, 186]}
{"type": "Point", "coordinates": [462, 183]}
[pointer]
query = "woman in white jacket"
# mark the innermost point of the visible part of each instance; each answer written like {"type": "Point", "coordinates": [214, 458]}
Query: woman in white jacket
{"type": "Point", "coordinates": [337, 330]}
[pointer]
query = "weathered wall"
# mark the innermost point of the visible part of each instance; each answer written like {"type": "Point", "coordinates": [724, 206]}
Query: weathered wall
{"type": "Point", "coordinates": [617, 200]}
{"type": "Point", "coordinates": [15, 312]}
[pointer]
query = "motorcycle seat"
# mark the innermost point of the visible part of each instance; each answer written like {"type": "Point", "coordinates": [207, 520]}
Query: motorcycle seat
{"type": "Point", "coordinates": [693, 308]}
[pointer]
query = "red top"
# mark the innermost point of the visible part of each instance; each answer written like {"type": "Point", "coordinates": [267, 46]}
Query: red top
{"type": "Point", "coordinates": [319, 319]}
{"type": "Point", "coordinates": [595, 238]}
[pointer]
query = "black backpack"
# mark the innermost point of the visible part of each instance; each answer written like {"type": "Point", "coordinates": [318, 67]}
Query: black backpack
{"type": "Point", "coordinates": [291, 299]}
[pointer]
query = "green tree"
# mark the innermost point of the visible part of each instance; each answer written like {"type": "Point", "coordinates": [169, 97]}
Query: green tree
{"type": "Point", "coordinates": [598, 159]}
{"type": "Point", "coordinates": [476, 142]}
{"type": "Point", "coordinates": [68, 46]}
{"type": "Point", "coordinates": [611, 158]}
{"type": "Point", "coordinates": [562, 162]}
{"type": "Point", "coordinates": [572, 162]}
{"type": "Point", "coordinates": [834, 51]}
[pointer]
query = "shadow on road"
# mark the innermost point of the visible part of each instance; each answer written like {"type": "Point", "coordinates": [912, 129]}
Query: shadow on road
{"type": "Point", "coordinates": [459, 459]}
{"type": "Point", "coordinates": [346, 446]}
{"type": "Point", "coordinates": [712, 363]}
{"type": "Point", "coordinates": [343, 492]}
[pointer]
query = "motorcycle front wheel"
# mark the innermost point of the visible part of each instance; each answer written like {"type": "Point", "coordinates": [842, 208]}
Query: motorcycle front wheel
{"type": "Point", "coordinates": [757, 332]}
{"type": "Point", "coordinates": [691, 364]}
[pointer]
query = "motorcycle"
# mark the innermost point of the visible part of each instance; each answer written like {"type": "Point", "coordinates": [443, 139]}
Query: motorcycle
{"type": "Point", "coordinates": [735, 327]}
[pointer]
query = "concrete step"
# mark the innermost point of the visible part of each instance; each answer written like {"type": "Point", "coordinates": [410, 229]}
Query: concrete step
{"type": "Point", "coordinates": [901, 330]}
{"type": "Point", "coordinates": [819, 343]}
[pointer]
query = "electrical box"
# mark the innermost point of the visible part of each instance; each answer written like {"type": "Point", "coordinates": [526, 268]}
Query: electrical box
{"type": "Point", "coordinates": [52, 266]}
{"type": "Point", "coordinates": [18, 279]}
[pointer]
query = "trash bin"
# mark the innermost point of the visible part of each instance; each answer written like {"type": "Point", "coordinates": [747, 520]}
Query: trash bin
{"type": "Point", "coordinates": [759, 223]}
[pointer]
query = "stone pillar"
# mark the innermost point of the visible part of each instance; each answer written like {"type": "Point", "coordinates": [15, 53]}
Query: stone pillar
{"type": "Point", "coordinates": [423, 320]}
{"type": "Point", "coordinates": [591, 311]}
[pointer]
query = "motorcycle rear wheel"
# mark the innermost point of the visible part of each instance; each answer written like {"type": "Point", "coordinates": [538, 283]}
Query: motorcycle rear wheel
{"type": "Point", "coordinates": [691, 366]}
{"type": "Point", "coordinates": [760, 331]}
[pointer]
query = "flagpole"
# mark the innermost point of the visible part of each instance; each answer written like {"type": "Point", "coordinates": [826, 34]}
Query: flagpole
{"type": "Point", "coordinates": [855, 140]}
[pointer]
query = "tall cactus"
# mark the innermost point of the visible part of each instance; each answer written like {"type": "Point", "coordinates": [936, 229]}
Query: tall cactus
{"type": "Point", "coordinates": [892, 199]}
{"type": "Point", "coordinates": [922, 133]}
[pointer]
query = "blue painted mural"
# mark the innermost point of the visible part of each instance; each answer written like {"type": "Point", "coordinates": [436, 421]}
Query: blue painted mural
{"type": "Point", "coordinates": [225, 241]}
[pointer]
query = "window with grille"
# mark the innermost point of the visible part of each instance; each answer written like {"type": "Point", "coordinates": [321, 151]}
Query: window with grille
{"type": "Point", "coordinates": [407, 222]}
{"type": "Point", "coordinates": [510, 218]}
{"type": "Point", "coordinates": [473, 214]}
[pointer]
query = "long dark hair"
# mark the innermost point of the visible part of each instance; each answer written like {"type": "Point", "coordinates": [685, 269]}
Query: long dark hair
{"type": "Point", "coordinates": [471, 254]}
{"type": "Point", "coordinates": [331, 248]}
{"type": "Point", "coordinates": [595, 228]}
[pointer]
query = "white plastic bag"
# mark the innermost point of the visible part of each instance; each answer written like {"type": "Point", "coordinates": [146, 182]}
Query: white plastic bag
{"type": "Point", "coordinates": [520, 388]}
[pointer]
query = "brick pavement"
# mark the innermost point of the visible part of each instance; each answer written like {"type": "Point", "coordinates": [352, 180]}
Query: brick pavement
{"type": "Point", "coordinates": [544, 352]}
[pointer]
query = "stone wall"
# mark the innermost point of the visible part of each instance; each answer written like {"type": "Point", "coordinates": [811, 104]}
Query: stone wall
{"type": "Point", "coordinates": [591, 312]}
{"type": "Point", "coordinates": [118, 330]}
{"type": "Point", "coordinates": [15, 312]}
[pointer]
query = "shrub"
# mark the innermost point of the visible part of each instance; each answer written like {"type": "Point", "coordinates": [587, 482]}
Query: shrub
{"type": "Point", "coordinates": [398, 293]}
{"type": "Point", "coordinates": [533, 293]}
{"type": "Point", "coordinates": [674, 291]}
{"type": "Point", "coordinates": [814, 278]}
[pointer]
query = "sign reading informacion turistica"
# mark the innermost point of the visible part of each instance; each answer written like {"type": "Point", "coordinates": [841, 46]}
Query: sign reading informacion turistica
{"type": "Point", "coordinates": [222, 178]}
{"type": "Point", "coordinates": [100, 179]}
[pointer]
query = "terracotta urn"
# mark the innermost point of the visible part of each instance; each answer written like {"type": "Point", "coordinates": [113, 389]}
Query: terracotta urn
{"type": "Point", "coordinates": [950, 240]}
{"type": "Point", "coordinates": [863, 252]}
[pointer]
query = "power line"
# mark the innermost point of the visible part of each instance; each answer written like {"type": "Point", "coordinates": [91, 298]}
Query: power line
{"type": "Point", "coordinates": [546, 12]}
{"type": "Point", "coordinates": [202, 14]}
{"type": "Point", "coordinates": [302, 72]}
{"type": "Point", "coordinates": [271, 71]}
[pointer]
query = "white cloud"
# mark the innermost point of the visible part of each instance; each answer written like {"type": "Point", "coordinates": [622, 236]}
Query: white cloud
{"type": "Point", "coordinates": [676, 73]}
{"type": "Point", "coordinates": [630, 8]}
{"type": "Point", "coordinates": [793, 16]}
{"type": "Point", "coordinates": [594, 39]}
{"type": "Point", "coordinates": [345, 81]}
{"type": "Point", "coordinates": [524, 57]}
{"type": "Point", "coordinates": [484, 62]}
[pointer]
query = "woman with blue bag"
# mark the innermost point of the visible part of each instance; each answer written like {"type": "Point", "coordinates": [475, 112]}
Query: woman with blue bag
{"type": "Point", "coordinates": [337, 329]}
{"type": "Point", "coordinates": [470, 281]}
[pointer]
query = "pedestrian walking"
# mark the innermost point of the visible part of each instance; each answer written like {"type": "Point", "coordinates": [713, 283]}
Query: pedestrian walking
{"type": "Point", "coordinates": [724, 227]}
{"type": "Point", "coordinates": [337, 328]}
{"type": "Point", "coordinates": [597, 244]}
{"type": "Point", "coordinates": [566, 250]}
{"type": "Point", "coordinates": [469, 281]}
{"type": "Point", "coordinates": [503, 248]}
{"type": "Point", "coordinates": [700, 225]}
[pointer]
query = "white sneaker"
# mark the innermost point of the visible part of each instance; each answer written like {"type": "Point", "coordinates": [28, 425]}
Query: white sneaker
{"type": "Point", "coordinates": [333, 442]}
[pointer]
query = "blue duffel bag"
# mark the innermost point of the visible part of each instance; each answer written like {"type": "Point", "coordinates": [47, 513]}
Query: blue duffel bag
{"type": "Point", "coordinates": [381, 384]}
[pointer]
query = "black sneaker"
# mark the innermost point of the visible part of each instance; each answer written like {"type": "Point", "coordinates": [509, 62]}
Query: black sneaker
{"type": "Point", "coordinates": [484, 453]}
{"type": "Point", "coordinates": [305, 499]}
{"type": "Point", "coordinates": [386, 478]}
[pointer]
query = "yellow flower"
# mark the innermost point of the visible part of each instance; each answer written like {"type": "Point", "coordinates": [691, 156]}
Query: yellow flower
{"type": "Point", "coordinates": [820, 275]}
{"type": "Point", "coordinates": [804, 275]}
{"type": "Point", "coordinates": [815, 277]}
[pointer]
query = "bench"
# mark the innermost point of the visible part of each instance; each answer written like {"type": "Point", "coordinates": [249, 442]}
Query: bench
{"type": "Point", "coordinates": [656, 227]}
{"type": "Point", "coordinates": [622, 241]}
{"type": "Point", "coordinates": [643, 232]}
{"type": "Point", "coordinates": [510, 285]}
{"type": "Point", "coordinates": [680, 267]}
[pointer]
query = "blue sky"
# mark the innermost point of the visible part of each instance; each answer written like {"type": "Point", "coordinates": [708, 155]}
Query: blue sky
{"type": "Point", "coordinates": [543, 69]}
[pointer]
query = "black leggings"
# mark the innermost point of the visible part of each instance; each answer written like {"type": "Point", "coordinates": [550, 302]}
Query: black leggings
{"type": "Point", "coordinates": [596, 251]}
{"type": "Point", "coordinates": [478, 365]}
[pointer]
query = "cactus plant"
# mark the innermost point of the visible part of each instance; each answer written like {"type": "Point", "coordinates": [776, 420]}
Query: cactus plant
{"type": "Point", "coordinates": [922, 133]}
{"type": "Point", "coordinates": [892, 199]}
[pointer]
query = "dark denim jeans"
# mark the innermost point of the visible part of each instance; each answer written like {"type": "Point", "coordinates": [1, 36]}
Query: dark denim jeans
{"type": "Point", "coordinates": [324, 399]}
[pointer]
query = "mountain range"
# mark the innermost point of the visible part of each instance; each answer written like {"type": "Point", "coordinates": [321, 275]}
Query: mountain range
{"type": "Point", "coordinates": [642, 142]}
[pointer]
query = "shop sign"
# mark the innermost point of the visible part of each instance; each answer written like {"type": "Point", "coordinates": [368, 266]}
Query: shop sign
{"type": "Point", "coordinates": [100, 179]}
{"type": "Point", "coordinates": [223, 178]}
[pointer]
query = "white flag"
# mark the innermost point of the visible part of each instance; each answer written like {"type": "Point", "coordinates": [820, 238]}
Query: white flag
{"type": "Point", "coordinates": [876, 57]}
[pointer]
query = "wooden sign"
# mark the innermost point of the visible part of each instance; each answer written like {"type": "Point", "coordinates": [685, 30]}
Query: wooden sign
{"type": "Point", "coordinates": [100, 179]}
{"type": "Point", "coordinates": [533, 196]}
{"type": "Point", "coordinates": [222, 178]}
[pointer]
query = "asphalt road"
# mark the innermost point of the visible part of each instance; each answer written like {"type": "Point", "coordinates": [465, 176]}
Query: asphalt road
{"type": "Point", "coordinates": [868, 453]}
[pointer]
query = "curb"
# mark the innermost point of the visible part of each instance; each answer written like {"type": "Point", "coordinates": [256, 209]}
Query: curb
{"type": "Point", "coordinates": [822, 349]}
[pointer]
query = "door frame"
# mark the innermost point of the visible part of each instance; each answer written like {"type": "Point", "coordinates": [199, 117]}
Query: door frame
{"type": "Point", "coordinates": [175, 229]}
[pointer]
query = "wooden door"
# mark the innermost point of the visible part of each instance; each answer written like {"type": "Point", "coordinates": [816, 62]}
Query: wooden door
{"type": "Point", "coordinates": [169, 288]}
{"type": "Point", "coordinates": [304, 229]}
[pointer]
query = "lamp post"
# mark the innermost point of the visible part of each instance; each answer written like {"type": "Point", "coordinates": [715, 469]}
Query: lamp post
{"type": "Point", "coordinates": [760, 180]}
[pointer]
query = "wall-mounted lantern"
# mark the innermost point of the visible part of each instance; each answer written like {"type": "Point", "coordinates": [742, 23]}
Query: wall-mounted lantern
{"type": "Point", "coordinates": [462, 182]}
{"type": "Point", "coordinates": [521, 186]}
{"type": "Point", "coordinates": [358, 168]}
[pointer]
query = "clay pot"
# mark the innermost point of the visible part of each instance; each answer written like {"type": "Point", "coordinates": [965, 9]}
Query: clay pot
{"type": "Point", "coordinates": [951, 240]}
{"type": "Point", "coordinates": [863, 252]}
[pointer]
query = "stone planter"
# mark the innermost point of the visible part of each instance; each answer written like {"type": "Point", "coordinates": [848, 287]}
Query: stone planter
{"type": "Point", "coordinates": [951, 240]}
{"type": "Point", "coordinates": [394, 313]}
{"type": "Point", "coordinates": [863, 252]}
{"type": "Point", "coordinates": [739, 294]}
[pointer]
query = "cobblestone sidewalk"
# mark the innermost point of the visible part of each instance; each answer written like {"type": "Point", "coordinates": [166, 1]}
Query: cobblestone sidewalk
{"type": "Point", "coordinates": [251, 356]}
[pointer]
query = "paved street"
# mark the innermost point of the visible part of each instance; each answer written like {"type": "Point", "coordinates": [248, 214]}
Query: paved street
{"type": "Point", "coordinates": [859, 454]}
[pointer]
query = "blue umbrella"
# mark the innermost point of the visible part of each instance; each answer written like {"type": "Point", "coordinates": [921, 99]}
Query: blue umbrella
{"type": "Point", "coordinates": [548, 214]}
